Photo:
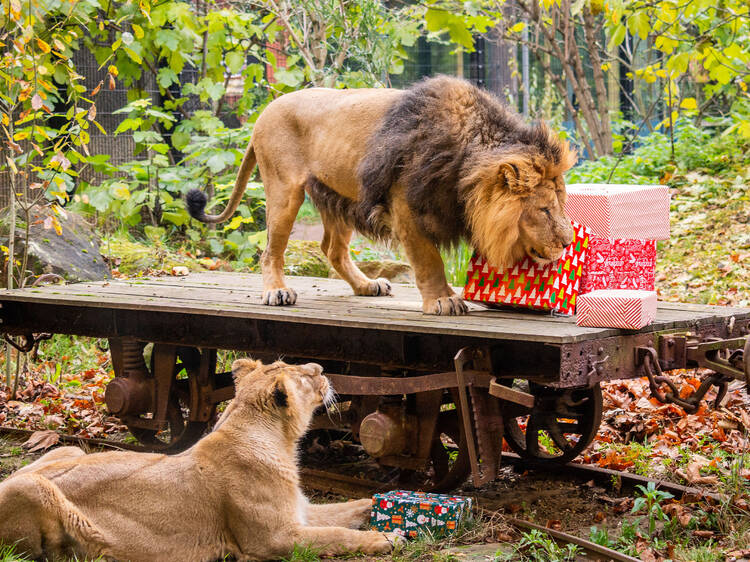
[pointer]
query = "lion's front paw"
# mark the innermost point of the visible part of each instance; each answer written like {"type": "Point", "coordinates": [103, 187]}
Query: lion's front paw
{"type": "Point", "coordinates": [279, 297]}
{"type": "Point", "coordinates": [445, 306]}
{"type": "Point", "coordinates": [379, 287]}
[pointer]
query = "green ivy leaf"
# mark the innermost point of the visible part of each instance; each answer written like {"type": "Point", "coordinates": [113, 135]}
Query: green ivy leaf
{"type": "Point", "coordinates": [235, 61]}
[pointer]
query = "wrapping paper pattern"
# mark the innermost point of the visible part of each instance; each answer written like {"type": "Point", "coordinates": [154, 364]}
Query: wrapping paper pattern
{"type": "Point", "coordinates": [619, 264]}
{"type": "Point", "coordinates": [621, 211]}
{"type": "Point", "coordinates": [411, 513]}
{"type": "Point", "coordinates": [527, 284]}
{"type": "Point", "coordinates": [616, 309]}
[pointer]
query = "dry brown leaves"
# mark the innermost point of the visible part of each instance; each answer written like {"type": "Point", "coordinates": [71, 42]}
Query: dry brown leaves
{"type": "Point", "coordinates": [41, 440]}
{"type": "Point", "coordinates": [73, 405]}
{"type": "Point", "coordinates": [632, 415]}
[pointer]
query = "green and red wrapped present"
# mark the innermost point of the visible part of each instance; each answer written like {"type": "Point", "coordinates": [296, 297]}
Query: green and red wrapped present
{"type": "Point", "coordinates": [409, 513]}
{"type": "Point", "coordinates": [554, 286]}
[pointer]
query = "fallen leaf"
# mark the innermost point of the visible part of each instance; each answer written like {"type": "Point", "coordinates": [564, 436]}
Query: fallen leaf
{"type": "Point", "coordinates": [692, 473]}
{"type": "Point", "coordinates": [41, 440]}
{"type": "Point", "coordinates": [180, 270]}
{"type": "Point", "coordinates": [554, 524]}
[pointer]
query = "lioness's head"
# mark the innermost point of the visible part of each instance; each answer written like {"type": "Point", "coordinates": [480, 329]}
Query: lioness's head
{"type": "Point", "coordinates": [515, 198]}
{"type": "Point", "coordinates": [286, 394]}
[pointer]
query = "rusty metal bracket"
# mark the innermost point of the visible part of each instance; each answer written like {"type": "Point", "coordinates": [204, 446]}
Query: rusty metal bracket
{"type": "Point", "coordinates": [648, 357]}
{"type": "Point", "coordinates": [734, 363]}
{"type": "Point", "coordinates": [464, 356]}
{"type": "Point", "coordinates": [29, 341]}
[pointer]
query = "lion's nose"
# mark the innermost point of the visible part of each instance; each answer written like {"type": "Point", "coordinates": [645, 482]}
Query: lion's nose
{"type": "Point", "coordinates": [567, 237]}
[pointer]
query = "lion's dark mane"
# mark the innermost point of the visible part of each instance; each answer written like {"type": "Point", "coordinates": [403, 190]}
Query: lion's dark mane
{"type": "Point", "coordinates": [427, 142]}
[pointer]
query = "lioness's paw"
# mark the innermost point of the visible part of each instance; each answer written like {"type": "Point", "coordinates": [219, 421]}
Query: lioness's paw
{"type": "Point", "coordinates": [279, 297]}
{"type": "Point", "coordinates": [445, 306]}
{"type": "Point", "coordinates": [394, 539]}
{"type": "Point", "coordinates": [376, 288]}
{"type": "Point", "coordinates": [382, 543]}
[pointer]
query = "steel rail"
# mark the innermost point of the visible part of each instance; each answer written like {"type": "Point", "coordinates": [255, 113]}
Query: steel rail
{"type": "Point", "coordinates": [606, 474]}
{"type": "Point", "coordinates": [594, 551]}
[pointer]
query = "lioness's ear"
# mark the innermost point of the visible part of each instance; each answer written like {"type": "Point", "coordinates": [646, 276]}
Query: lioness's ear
{"type": "Point", "coordinates": [518, 175]}
{"type": "Point", "coordinates": [279, 395]}
{"type": "Point", "coordinates": [313, 368]}
{"type": "Point", "coordinates": [242, 367]}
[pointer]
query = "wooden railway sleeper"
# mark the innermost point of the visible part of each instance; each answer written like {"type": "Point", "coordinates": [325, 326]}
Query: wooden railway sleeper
{"type": "Point", "coordinates": [656, 378]}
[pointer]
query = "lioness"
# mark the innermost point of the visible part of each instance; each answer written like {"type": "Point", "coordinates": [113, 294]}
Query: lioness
{"type": "Point", "coordinates": [429, 166]}
{"type": "Point", "coordinates": [236, 492]}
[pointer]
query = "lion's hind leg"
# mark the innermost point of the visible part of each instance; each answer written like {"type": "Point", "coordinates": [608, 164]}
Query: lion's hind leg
{"type": "Point", "coordinates": [36, 515]}
{"type": "Point", "coordinates": [59, 454]}
{"type": "Point", "coordinates": [283, 201]}
{"type": "Point", "coordinates": [335, 245]}
{"type": "Point", "coordinates": [350, 514]}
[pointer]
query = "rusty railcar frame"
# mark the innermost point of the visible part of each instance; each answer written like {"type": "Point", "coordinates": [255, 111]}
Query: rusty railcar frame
{"type": "Point", "coordinates": [471, 369]}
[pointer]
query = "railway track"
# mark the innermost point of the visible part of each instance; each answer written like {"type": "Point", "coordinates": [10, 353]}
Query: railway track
{"type": "Point", "coordinates": [352, 487]}
{"type": "Point", "coordinates": [348, 486]}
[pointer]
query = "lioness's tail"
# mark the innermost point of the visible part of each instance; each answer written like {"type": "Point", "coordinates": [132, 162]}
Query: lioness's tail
{"type": "Point", "coordinates": [196, 200]}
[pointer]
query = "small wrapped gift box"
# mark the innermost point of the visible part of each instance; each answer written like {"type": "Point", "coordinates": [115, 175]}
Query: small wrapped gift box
{"type": "Point", "coordinates": [616, 309]}
{"type": "Point", "coordinates": [619, 264]}
{"type": "Point", "coordinates": [411, 513]}
{"type": "Point", "coordinates": [527, 284]}
{"type": "Point", "coordinates": [621, 211]}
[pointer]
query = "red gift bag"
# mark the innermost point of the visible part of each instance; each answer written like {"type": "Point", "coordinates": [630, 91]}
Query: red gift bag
{"type": "Point", "coordinates": [527, 284]}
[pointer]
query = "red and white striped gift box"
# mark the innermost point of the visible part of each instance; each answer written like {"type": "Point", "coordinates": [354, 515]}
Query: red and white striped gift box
{"type": "Point", "coordinates": [620, 211]}
{"type": "Point", "coordinates": [612, 308]}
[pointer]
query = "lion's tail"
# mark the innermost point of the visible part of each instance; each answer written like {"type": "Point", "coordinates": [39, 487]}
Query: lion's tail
{"type": "Point", "coordinates": [196, 200]}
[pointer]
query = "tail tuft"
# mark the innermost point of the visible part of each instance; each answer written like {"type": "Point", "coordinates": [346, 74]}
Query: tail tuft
{"type": "Point", "coordinates": [196, 202]}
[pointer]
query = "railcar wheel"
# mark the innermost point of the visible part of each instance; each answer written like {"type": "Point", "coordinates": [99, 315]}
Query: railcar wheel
{"type": "Point", "coordinates": [180, 434]}
{"type": "Point", "coordinates": [562, 423]}
{"type": "Point", "coordinates": [449, 458]}
{"type": "Point", "coordinates": [174, 374]}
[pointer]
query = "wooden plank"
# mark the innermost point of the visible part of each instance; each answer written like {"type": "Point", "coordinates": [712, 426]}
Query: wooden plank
{"type": "Point", "coordinates": [511, 330]}
{"type": "Point", "coordinates": [345, 299]}
{"type": "Point", "coordinates": [355, 307]}
{"type": "Point", "coordinates": [330, 302]}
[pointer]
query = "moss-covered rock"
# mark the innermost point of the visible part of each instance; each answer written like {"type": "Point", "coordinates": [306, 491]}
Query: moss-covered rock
{"type": "Point", "coordinates": [62, 243]}
{"type": "Point", "coordinates": [131, 257]}
{"type": "Point", "coordinates": [304, 257]}
{"type": "Point", "coordinates": [396, 271]}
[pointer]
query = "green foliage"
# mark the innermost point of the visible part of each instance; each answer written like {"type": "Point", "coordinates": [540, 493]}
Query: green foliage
{"type": "Point", "coordinates": [538, 546]}
{"type": "Point", "coordinates": [696, 149]}
{"type": "Point", "coordinates": [651, 501]}
{"type": "Point", "coordinates": [456, 260]}
{"type": "Point", "coordinates": [700, 42]}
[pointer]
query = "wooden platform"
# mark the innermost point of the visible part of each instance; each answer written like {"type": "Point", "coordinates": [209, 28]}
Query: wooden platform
{"type": "Point", "coordinates": [331, 303]}
{"type": "Point", "coordinates": [348, 334]}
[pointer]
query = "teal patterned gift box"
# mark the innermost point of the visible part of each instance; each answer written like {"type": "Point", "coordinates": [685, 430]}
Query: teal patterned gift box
{"type": "Point", "coordinates": [410, 513]}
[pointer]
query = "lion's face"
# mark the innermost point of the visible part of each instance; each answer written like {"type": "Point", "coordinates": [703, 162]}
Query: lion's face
{"type": "Point", "coordinates": [544, 229]}
{"type": "Point", "coordinates": [289, 393]}
{"type": "Point", "coordinates": [515, 203]}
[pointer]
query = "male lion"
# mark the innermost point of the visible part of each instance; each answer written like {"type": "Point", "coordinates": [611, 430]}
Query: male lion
{"type": "Point", "coordinates": [429, 166]}
{"type": "Point", "coordinates": [235, 492]}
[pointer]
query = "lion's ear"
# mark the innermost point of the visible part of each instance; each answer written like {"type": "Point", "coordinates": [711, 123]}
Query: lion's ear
{"type": "Point", "coordinates": [518, 175]}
